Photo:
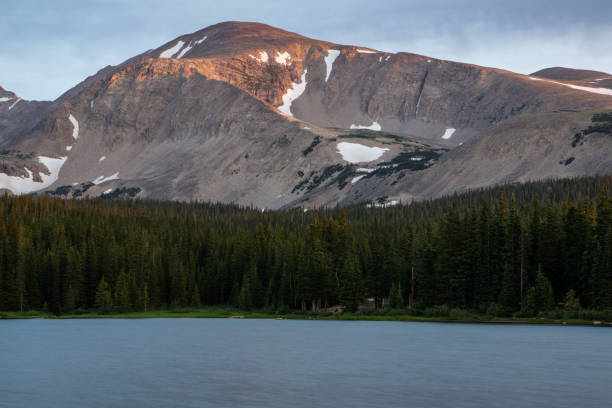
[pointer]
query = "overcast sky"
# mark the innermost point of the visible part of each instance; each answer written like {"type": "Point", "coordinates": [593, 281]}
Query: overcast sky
{"type": "Point", "coordinates": [48, 46]}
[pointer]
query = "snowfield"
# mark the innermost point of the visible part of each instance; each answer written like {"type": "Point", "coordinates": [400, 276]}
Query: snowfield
{"type": "Point", "coordinates": [75, 126]}
{"type": "Point", "coordinates": [103, 179]}
{"type": "Point", "coordinates": [173, 50]}
{"type": "Point", "coordinates": [374, 126]}
{"type": "Point", "coordinates": [329, 62]}
{"type": "Point", "coordinates": [4, 99]}
{"type": "Point", "coordinates": [358, 153]}
{"type": "Point", "coordinates": [282, 58]}
{"type": "Point", "coordinates": [601, 91]}
{"type": "Point", "coordinates": [292, 94]}
{"type": "Point", "coordinates": [25, 185]}
{"type": "Point", "coordinates": [448, 133]}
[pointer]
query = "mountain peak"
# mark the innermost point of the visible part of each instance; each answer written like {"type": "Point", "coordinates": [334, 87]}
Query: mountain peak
{"type": "Point", "coordinates": [231, 38]}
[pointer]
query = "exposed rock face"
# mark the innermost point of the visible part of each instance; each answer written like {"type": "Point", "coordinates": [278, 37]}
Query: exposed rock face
{"type": "Point", "coordinates": [247, 113]}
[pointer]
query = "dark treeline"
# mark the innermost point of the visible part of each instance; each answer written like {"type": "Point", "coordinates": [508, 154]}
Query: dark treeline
{"type": "Point", "coordinates": [500, 251]}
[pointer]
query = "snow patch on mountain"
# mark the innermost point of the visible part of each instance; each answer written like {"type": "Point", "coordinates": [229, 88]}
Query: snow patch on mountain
{"type": "Point", "coordinates": [102, 158]}
{"type": "Point", "coordinates": [68, 148]}
{"type": "Point", "coordinates": [374, 126]}
{"type": "Point", "coordinates": [198, 42]}
{"type": "Point", "coordinates": [383, 205]}
{"type": "Point", "coordinates": [172, 50]}
{"type": "Point", "coordinates": [4, 99]}
{"type": "Point", "coordinates": [75, 126]}
{"type": "Point", "coordinates": [329, 62]}
{"type": "Point", "coordinates": [103, 179]}
{"type": "Point", "coordinates": [14, 103]}
{"type": "Point", "coordinates": [25, 185]}
{"type": "Point", "coordinates": [358, 153]}
{"type": "Point", "coordinates": [601, 91]}
{"type": "Point", "coordinates": [282, 58]}
{"type": "Point", "coordinates": [366, 51]}
{"type": "Point", "coordinates": [448, 133]}
{"type": "Point", "coordinates": [184, 51]}
{"type": "Point", "coordinates": [356, 179]}
{"type": "Point", "coordinates": [296, 90]}
{"type": "Point", "coordinates": [263, 56]}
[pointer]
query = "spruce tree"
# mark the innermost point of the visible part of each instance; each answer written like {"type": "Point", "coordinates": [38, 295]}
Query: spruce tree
{"type": "Point", "coordinates": [122, 302]}
{"type": "Point", "coordinates": [104, 298]}
{"type": "Point", "coordinates": [396, 300]}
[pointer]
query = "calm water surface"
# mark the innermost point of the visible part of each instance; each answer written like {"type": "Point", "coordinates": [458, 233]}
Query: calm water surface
{"type": "Point", "coordinates": [269, 363]}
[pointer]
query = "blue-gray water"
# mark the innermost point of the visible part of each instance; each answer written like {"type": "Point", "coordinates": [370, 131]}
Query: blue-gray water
{"type": "Point", "coordinates": [269, 363]}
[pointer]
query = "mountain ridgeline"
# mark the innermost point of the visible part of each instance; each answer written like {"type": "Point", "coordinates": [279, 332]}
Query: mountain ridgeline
{"type": "Point", "coordinates": [525, 249]}
{"type": "Point", "coordinates": [250, 114]}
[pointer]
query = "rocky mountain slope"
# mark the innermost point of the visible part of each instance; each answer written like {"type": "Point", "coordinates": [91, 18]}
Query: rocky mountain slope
{"type": "Point", "coordinates": [248, 113]}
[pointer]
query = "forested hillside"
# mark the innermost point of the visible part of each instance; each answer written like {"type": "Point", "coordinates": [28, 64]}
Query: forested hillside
{"type": "Point", "coordinates": [517, 248]}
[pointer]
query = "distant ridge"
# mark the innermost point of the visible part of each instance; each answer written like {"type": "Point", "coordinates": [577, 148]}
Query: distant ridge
{"type": "Point", "coordinates": [570, 74]}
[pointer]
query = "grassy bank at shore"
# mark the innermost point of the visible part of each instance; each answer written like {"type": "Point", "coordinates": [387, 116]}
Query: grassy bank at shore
{"type": "Point", "coordinates": [223, 312]}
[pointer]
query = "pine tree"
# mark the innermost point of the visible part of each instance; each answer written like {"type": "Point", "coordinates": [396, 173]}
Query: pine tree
{"type": "Point", "coordinates": [570, 302]}
{"type": "Point", "coordinates": [245, 300]}
{"type": "Point", "coordinates": [69, 303]}
{"type": "Point", "coordinates": [104, 298]}
{"type": "Point", "coordinates": [396, 300]}
{"type": "Point", "coordinates": [509, 297]}
{"type": "Point", "coordinates": [352, 290]}
{"type": "Point", "coordinates": [122, 302]}
{"type": "Point", "coordinates": [539, 297]}
{"type": "Point", "coordinates": [195, 297]}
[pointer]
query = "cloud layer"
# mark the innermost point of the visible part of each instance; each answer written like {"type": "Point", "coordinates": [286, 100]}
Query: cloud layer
{"type": "Point", "coordinates": [48, 47]}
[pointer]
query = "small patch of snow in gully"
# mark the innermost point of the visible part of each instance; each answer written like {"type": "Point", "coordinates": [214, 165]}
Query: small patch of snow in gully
{"type": "Point", "coordinates": [103, 179]}
{"type": "Point", "coordinates": [329, 62]}
{"type": "Point", "coordinates": [292, 94]}
{"type": "Point", "coordinates": [172, 50]}
{"type": "Point", "coordinates": [75, 126]}
{"type": "Point", "coordinates": [448, 133]}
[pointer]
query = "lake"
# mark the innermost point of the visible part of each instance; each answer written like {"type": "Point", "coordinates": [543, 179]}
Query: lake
{"type": "Point", "coordinates": [289, 363]}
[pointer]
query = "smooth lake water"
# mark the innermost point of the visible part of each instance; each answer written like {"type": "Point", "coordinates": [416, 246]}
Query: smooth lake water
{"type": "Point", "coordinates": [270, 363]}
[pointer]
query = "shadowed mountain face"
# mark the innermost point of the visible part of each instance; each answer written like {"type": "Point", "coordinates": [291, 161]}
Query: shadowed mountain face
{"type": "Point", "coordinates": [247, 113]}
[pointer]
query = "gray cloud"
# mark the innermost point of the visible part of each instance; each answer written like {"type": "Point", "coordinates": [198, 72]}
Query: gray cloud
{"type": "Point", "coordinates": [48, 47]}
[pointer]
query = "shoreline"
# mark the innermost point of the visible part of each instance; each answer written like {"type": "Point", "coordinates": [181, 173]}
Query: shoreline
{"type": "Point", "coordinates": [238, 314]}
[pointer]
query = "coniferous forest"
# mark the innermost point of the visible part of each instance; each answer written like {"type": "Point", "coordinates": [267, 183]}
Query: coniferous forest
{"type": "Point", "coordinates": [516, 250]}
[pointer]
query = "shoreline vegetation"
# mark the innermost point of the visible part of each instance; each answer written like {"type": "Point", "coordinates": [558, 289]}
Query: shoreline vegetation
{"type": "Point", "coordinates": [221, 312]}
{"type": "Point", "coordinates": [536, 252]}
